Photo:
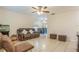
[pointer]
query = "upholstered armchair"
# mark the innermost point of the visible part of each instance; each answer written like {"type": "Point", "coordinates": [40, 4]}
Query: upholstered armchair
{"type": "Point", "coordinates": [15, 46]}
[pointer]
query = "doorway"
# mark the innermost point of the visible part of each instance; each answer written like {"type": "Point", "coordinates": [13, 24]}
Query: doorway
{"type": "Point", "coordinates": [41, 25]}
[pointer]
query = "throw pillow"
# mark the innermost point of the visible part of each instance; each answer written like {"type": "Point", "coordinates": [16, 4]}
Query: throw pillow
{"type": "Point", "coordinates": [31, 31]}
{"type": "Point", "coordinates": [24, 32]}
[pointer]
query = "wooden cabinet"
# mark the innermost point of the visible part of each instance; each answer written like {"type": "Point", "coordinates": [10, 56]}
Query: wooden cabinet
{"type": "Point", "coordinates": [78, 44]}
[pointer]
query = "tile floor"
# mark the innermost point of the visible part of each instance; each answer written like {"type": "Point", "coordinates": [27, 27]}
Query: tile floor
{"type": "Point", "coordinates": [51, 45]}
{"type": "Point", "coordinates": [43, 44]}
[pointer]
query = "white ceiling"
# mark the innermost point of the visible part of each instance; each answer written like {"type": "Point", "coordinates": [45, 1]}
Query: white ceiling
{"type": "Point", "coordinates": [19, 9]}
{"type": "Point", "coordinates": [62, 9]}
{"type": "Point", "coordinates": [28, 9]}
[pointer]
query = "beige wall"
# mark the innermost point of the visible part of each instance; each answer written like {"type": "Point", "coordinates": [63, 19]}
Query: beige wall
{"type": "Point", "coordinates": [15, 20]}
{"type": "Point", "coordinates": [64, 23]}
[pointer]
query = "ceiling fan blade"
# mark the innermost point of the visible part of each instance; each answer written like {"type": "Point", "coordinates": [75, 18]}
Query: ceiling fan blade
{"type": "Point", "coordinates": [33, 11]}
{"type": "Point", "coordinates": [52, 14]}
{"type": "Point", "coordinates": [46, 11]}
{"type": "Point", "coordinates": [34, 8]}
{"type": "Point", "coordinates": [45, 7]}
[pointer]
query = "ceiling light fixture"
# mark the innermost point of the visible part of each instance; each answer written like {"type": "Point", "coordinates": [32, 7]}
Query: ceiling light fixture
{"type": "Point", "coordinates": [39, 13]}
{"type": "Point", "coordinates": [40, 10]}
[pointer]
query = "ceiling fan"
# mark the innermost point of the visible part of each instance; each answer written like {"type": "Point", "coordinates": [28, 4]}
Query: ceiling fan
{"type": "Point", "coordinates": [40, 9]}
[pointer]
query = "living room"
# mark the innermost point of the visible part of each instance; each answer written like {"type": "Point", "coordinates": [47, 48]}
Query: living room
{"type": "Point", "coordinates": [60, 20]}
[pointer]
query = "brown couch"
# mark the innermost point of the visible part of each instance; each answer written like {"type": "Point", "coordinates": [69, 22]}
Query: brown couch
{"type": "Point", "coordinates": [28, 35]}
{"type": "Point", "coordinates": [15, 46]}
